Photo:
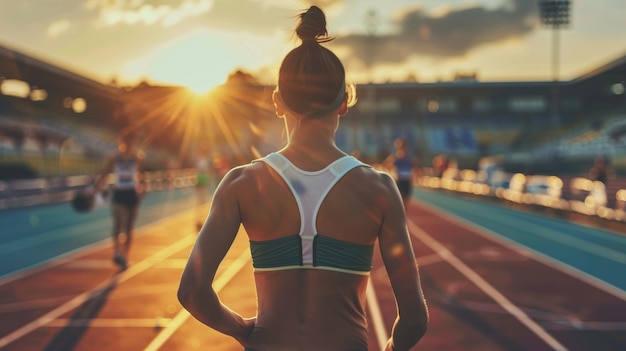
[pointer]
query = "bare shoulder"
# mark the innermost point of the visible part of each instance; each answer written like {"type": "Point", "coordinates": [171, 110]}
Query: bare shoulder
{"type": "Point", "coordinates": [249, 170]}
{"type": "Point", "coordinates": [244, 176]}
{"type": "Point", "coordinates": [373, 182]}
{"type": "Point", "coordinates": [372, 177]}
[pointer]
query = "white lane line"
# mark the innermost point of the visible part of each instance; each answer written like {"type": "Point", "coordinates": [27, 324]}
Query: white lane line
{"type": "Point", "coordinates": [53, 235]}
{"type": "Point", "coordinates": [562, 238]}
{"type": "Point", "coordinates": [530, 253]}
{"type": "Point", "coordinates": [109, 323]}
{"type": "Point", "coordinates": [32, 304]}
{"type": "Point", "coordinates": [594, 326]}
{"type": "Point", "coordinates": [82, 251]}
{"type": "Point", "coordinates": [90, 264]}
{"type": "Point", "coordinates": [99, 289]}
{"type": "Point", "coordinates": [377, 317]}
{"type": "Point", "coordinates": [64, 233]}
{"type": "Point", "coordinates": [484, 286]}
{"type": "Point", "coordinates": [233, 269]}
{"type": "Point", "coordinates": [25, 305]}
{"type": "Point", "coordinates": [183, 315]}
{"type": "Point", "coordinates": [174, 263]}
{"type": "Point", "coordinates": [429, 259]}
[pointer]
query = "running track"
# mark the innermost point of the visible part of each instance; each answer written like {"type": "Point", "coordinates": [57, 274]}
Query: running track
{"type": "Point", "coordinates": [495, 279]}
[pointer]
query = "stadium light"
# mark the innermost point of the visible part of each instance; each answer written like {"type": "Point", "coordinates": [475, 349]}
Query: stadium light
{"type": "Point", "coordinates": [555, 15]}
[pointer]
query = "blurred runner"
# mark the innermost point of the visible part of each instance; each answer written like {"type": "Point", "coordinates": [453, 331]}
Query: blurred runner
{"type": "Point", "coordinates": [127, 167]}
{"type": "Point", "coordinates": [404, 168]}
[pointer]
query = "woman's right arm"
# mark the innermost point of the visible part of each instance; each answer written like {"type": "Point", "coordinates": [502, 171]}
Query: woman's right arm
{"type": "Point", "coordinates": [399, 259]}
{"type": "Point", "coordinates": [196, 292]}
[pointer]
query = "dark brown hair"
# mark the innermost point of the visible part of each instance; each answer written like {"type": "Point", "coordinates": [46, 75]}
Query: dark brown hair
{"type": "Point", "coordinates": [311, 77]}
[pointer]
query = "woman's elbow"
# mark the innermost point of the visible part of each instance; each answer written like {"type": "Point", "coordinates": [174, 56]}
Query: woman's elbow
{"type": "Point", "coordinates": [421, 327]}
{"type": "Point", "coordinates": [186, 293]}
{"type": "Point", "coordinates": [418, 323]}
{"type": "Point", "coordinates": [421, 324]}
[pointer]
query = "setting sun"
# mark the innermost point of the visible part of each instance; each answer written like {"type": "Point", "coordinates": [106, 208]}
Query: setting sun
{"type": "Point", "coordinates": [199, 61]}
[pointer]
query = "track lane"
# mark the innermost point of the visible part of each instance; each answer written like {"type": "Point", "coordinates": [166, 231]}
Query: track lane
{"type": "Point", "coordinates": [462, 315]}
{"type": "Point", "coordinates": [595, 253]}
{"type": "Point", "coordinates": [33, 237]}
{"type": "Point", "coordinates": [549, 293]}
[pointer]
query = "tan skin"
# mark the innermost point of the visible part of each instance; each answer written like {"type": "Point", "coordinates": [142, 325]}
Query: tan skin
{"type": "Point", "coordinates": [295, 305]}
{"type": "Point", "coordinates": [123, 217]}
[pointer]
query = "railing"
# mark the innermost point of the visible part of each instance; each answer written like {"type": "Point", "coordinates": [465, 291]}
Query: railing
{"type": "Point", "coordinates": [41, 191]}
{"type": "Point", "coordinates": [577, 194]}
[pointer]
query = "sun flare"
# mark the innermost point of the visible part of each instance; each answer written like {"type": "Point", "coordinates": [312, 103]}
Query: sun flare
{"type": "Point", "coordinates": [199, 61]}
{"type": "Point", "coordinates": [191, 102]}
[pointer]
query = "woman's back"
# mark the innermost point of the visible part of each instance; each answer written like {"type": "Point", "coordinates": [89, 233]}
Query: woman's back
{"type": "Point", "coordinates": [312, 308]}
{"type": "Point", "coordinates": [313, 215]}
{"type": "Point", "coordinates": [351, 211]}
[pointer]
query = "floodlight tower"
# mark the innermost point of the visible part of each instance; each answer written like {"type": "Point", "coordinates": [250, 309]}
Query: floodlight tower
{"type": "Point", "coordinates": [555, 15]}
{"type": "Point", "coordinates": [371, 25]}
{"type": "Point", "coordinates": [371, 42]}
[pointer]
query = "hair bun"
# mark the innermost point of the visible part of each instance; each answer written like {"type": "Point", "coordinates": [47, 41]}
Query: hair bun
{"type": "Point", "coordinates": [312, 26]}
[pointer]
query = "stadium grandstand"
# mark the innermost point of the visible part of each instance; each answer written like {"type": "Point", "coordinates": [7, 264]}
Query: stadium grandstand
{"type": "Point", "coordinates": [468, 120]}
{"type": "Point", "coordinates": [507, 140]}
{"type": "Point", "coordinates": [56, 127]}
{"type": "Point", "coordinates": [57, 123]}
{"type": "Point", "coordinates": [52, 121]}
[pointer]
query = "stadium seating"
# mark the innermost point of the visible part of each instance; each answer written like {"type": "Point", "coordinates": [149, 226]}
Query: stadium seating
{"type": "Point", "coordinates": [567, 190]}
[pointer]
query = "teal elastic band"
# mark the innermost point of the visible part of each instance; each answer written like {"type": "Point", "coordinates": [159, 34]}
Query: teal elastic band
{"type": "Point", "coordinates": [317, 113]}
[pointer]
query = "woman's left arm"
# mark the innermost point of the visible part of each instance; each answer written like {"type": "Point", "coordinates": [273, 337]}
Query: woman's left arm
{"type": "Point", "coordinates": [141, 174]}
{"type": "Point", "coordinates": [196, 292]}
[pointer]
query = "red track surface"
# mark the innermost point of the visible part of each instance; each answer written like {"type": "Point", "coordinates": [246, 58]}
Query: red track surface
{"type": "Point", "coordinates": [482, 294]}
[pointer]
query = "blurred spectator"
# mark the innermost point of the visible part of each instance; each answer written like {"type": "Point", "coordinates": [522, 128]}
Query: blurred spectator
{"type": "Point", "coordinates": [600, 173]}
{"type": "Point", "coordinates": [221, 164]}
{"type": "Point", "coordinates": [203, 164]}
{"type": "Point", "coordinates": [488, 168]}
{"type": "Point", "coordinates": [601, 170]}
{"type": "Point", "coordinates": [440, 165]}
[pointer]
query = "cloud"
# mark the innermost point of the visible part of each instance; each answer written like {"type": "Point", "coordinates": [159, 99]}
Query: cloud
{"type": "Point", "coordinates": [449, 33]}
{"type": "Point", "coordinates": [58, 27]}
{"type": "Point", "coordinates": [263, 17]}
{"type": "Point", "coordinates": [303, 4]}
{"type": "Point", "coordinates": [131, 12]}
{"type": "Point", "coordinates": [241, 15]}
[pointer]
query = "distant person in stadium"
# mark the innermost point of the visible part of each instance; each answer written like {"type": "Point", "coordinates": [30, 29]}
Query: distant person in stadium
{"type": "Point", "coordinates": [601, 170]}
{"type": "Point", "coordinates": [404, 167]}
{"type": "Point", "coordinates": [203, 164]}
{"type": "Point", "coordinates": [313, 215]}
{"type": "Point", "coordinates": [127, 167]}
{"type": "Point", "coordinates": [440, 165]}
{"type": "Point", "coordinates": [221, 164]}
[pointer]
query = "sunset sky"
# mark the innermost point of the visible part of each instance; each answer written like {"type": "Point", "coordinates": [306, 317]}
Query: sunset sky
{"type": "Point", "coordinates": [197, 43]}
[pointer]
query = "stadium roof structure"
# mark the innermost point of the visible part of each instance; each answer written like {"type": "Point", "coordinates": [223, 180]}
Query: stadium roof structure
{"type": "Point", "coordinates": [464, 84]}
{"type": "Point", "coordinates": [610, 70]}
{"type": "Point", "coordinates": [17, 65]}
{"type": "Point", "coordinates": [613, 71]}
